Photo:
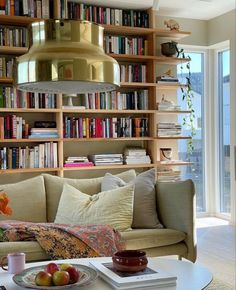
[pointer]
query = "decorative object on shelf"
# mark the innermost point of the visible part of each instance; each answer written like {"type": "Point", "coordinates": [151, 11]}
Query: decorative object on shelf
{"type": "Point", "coordinates": [172, 24]}
{"type": "Point", "coordinates": [165, 105]}
{"type": "Point", "coordinates": [170, 49]}
{"type": "Point", "coordinates": [165, 154]}
{"type": "Point", "coordinates": [67, 60]}
{"type": "Point", "coordinates": [167, 78]}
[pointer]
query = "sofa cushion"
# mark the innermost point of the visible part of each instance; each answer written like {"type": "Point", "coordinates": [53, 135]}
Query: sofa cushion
{"type": "Point", "coordinates": [145, 213]}
{"type": "Point", "coordinates": [27, 200]}
{"type": "Point", "coordinates": [54, 187]}
{"type": "Point", "coordinates": [114, 207]}
{"type": "Point", "coordinates": [151, 238]}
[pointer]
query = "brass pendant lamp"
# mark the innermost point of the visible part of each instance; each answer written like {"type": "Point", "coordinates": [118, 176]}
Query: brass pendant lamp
{"type": "Point", "coordinates": [67, 56]}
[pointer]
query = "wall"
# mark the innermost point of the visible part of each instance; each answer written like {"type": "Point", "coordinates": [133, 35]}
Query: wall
{"type": "Point", "coordinates": [198, 30]}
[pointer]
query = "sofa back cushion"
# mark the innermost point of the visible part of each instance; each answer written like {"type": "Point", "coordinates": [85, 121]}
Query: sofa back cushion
{"type": "Point", "coordinates": [27, 200]}
{"type": "Point", "coordinates": [113, 207]}
{"type": "Point", "coordinates": [54, 187]}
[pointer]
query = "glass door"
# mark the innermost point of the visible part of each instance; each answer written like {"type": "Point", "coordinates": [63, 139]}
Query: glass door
{"type": "Point", "coordinates": [224, 130]}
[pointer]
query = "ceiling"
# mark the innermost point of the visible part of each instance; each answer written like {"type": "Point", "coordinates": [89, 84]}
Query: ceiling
{"type": "Point", "coordinates": [196, 9]}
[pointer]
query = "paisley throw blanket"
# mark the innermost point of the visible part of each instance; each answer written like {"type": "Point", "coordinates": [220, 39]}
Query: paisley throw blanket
{"type": "Point", "coordinates": [62, 241]}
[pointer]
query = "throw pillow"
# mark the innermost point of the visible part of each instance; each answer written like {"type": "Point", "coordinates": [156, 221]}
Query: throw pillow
{"type": "Point", "coordinates": [114, 207]}
{"type": "Point", "coordinates": [54, 187]}
{"type": "Point", "coordinates": [145, 212]}
{"type": "Point", "coordinates": [27, 200]}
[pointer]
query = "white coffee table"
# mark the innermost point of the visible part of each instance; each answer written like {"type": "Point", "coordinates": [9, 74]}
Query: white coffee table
{"type": "Point", "coordinates": [189, 275]}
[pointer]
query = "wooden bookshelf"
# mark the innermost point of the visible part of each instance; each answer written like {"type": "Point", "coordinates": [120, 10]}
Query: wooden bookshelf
{"type": "Point", "coordinates": [77, 145]}
{"type": "Point", "coordinates": [159, 112]}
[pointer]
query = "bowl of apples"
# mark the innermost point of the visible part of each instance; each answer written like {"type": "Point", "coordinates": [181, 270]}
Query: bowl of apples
{"type": "Point", "coordinates": [55, 276]}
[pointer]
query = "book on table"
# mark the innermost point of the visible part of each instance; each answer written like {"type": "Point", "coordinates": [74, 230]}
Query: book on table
{"type": "Point", "coordinates": [150, 278]}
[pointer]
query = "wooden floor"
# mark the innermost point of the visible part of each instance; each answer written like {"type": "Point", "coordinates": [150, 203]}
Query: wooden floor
{"type": "Point", "coordinates": [216, 242]}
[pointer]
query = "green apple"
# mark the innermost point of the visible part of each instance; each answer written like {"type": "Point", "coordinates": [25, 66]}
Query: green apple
{"type": "Point", "coordinates": [65, 266]}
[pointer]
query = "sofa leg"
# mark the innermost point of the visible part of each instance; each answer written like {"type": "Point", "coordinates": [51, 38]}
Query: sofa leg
{"type": "Point", "coordinates": [180, 258]}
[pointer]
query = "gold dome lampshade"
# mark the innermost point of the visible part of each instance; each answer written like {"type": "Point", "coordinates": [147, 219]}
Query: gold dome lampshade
{"type": "Point", "coordinates": [67, 56]}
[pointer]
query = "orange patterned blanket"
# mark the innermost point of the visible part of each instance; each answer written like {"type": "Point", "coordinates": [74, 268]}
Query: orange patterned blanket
{"type": "Point", "coordinates": [62, 241]}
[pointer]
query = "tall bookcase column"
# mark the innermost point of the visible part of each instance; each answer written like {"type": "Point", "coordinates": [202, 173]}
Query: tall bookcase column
{"type": "Point", "coordinates": [59, 120]}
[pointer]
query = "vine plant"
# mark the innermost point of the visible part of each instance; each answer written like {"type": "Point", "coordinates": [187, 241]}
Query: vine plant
{"type": "Point", "coordinates": [187, 95]}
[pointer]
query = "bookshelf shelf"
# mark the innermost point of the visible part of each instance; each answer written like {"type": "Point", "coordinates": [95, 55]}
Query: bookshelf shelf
{"type": "Point", "coordinates": [17, 20]}
{"type": "Point", "coordinates": [173, 137]}
{"type": "Point", "coordinates": [107, 139]}
{"type": "Point", "coordinates": [109, 167]}
{"type": "Point", "coordinates": [176, 163]}
{"type": "Point", "coordinates": [29, 170]}
{"type": "Point", "coordinates": [173, 112]}
{"type": "Point", "coordinates": [28, 110]}
{"type": "Point", "coordinates": [143, 58]}
{"type": "Point", "coordinates": [170, 86]}
{"type": "Point", "coordinates": [13, 50]}
{"type": "Point", "coordinates": [87, 111]}
{"type": "Point", "coordinates": [30, 140]}
{"type": "Point", "coordinates": [6, 80]}
{"type": "Point", "coordinates": [137, 85]}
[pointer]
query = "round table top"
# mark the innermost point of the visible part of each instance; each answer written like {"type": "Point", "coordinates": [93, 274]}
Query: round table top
{"type": "Point", "coordinates": [189, 275]}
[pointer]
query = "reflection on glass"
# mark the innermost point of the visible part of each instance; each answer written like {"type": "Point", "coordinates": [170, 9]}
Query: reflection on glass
{"type": "Point", "coordinates": [195, 171]}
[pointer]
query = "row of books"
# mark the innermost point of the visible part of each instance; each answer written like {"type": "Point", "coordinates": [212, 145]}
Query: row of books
{"type": "Point", "coordinates": [7, 65]}
{"type": "Point", "coordinates": [10, 97]}
{"type": "Point", "coordinates": [125, 45]}
{"type": "Point", "coordinates": [134, 100]}
{"type": "Point", "coordinates": [133, 73]}
{"type": "Point", "coordinates": [105, 15]}
{"type": "Point", "coordinates": [39, 156]}
{"type": "Point", "coordinates": [168, 129]}
{"type": "Point", "coordinates": [32, 8]}
{"type": "Point", "coordinates": [13, 127]}
{"type": "Point", "coordinates": [84, 127]}
{"type": "Point", "coordinates": [13, 36]}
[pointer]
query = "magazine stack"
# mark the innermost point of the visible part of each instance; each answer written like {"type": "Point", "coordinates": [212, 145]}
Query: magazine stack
{"type": "Point", "coordinates": [136, 155]}
{"type": "Point", "coordinates": [106, 159]}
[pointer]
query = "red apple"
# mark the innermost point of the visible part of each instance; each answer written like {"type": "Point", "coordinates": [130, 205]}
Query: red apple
{"type": "Point", "coordinates": [74, 274]}
{"type": "Point", "coordinates": [51, 268]}
{"type": "Point", "coordinates": [43, 279]}
{"type": "Point", "coordinates": [60, 278]}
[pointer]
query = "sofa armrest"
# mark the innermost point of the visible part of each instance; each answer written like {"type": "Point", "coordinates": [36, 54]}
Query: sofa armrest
{"type": "Point", "coordinates": [176, 210]}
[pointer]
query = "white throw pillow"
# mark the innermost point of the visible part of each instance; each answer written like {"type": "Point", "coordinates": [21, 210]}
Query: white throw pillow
{"type": "Point", "coordinates": [113, 207]}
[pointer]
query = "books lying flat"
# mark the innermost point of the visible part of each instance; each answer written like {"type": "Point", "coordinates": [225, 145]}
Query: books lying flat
{"type": "Point", "coordinates": [150, 278]}
{"type": "Point", "coordinates": [79, 164]}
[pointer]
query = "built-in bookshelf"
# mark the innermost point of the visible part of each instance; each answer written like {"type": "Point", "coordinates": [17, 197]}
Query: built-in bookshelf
{"type": "Point", "coordinates": [99, 123]}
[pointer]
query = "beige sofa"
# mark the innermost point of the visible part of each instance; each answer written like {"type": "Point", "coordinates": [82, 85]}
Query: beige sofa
{"type": "Point", "coordinates": [37, 199]}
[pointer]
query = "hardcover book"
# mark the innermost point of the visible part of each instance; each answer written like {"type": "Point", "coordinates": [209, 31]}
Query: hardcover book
{"type": "Point", "coordinates": [150, 278]}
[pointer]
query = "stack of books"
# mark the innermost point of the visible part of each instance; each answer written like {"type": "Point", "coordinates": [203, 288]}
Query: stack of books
{"type": "Point", "coordinates": [44, 133]}
{"type": "Point", "coordinates": [165, 79]}
{"type": "Point", "coordinates": [106, 159]}
{"type": "Point", "coordinates": [78, 161]}
{"type": "Point", "coordinates": [136, 155]}
{"type": "Point", "coordinates": [168, 129]}
{"type": "Point", "coordinates": [168, 175]}
{"type": "Point", "coordinates": [150, 278]}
